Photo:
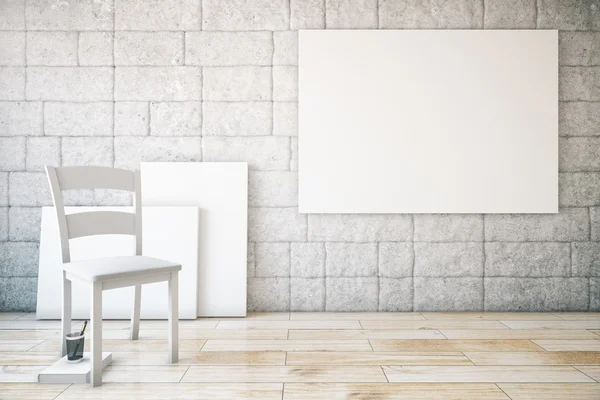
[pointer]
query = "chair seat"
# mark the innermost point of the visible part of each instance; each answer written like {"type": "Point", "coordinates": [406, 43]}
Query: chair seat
{"type": "Point", "coordinates": [108, 268]}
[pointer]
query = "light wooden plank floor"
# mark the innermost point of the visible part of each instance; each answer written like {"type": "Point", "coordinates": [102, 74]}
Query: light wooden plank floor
{"type": "Point", "coordinates": [309, 356]}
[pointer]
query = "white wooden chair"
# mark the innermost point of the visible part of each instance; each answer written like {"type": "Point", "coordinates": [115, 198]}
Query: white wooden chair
{"type": "Point", "coordinates": [110, 272]}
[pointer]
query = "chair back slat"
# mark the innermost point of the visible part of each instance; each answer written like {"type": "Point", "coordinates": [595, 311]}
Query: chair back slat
{"type": "Point", "coordinates": [70, 178]}
{"type": "Point", "coordinates": [95, 222]}
{"type": "Point", "coordinates": [100, 223]}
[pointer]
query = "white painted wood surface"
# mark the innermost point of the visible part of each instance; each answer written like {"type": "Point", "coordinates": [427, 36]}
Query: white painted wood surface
{"type": "Point", "coordinates": [169, 233]}
{"type": "Point", "coordinates": [65, 372]}
{"type": "Point", "coordinates": [428, 121]}
{"type": "Point", "coordinates": [220, 191]}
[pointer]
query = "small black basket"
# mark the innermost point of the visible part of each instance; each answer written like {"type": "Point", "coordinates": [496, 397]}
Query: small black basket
{"type": "Point", "coordinates": [75, 344]}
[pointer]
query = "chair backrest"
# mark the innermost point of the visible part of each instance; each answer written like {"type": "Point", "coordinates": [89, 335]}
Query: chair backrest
{"type": "Point", "coordinates": [95, 222]}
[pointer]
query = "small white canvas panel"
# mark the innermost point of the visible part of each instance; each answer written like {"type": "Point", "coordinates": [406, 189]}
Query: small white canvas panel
{"type": "Point", "coordinates": [168, 233]}
{"type": "Point", "coordinates": [428, 121]}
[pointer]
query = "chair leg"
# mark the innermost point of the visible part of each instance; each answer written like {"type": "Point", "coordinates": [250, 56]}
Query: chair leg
{"type": "Point", "coordinates": [173, 318]}
{"type": "Point", "coordinates": [66, 313]}
{"type": "Point", "coordinates": [96, 337]}
{"type": "Point", "coordinates": [135, 317]}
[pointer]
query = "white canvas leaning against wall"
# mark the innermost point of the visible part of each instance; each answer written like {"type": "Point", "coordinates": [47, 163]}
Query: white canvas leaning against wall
{"type": "Point", "coordinates": [444, 121]}
{"type": "Point", "coordinates": [220, 191]}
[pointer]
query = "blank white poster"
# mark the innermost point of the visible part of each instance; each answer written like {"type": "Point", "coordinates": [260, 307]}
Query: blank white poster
{"type": "Point", "coordinates": [428, 121]}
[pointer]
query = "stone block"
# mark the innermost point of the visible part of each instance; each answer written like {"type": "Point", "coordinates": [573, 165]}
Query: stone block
{"type": "Point", "coordinates": [510, 14]}
{"type": "Point", "coordinates": [12, 48]}
{"type": "Point", "coordinates": [176, 118]}
{"type": "Point", "coordinates": [130, 151]}
{"type": "Point", "coordinates": [132, 118]}
{"type": "Point", "coordinates": [52, 48]}
{"type": "Point", "coordinates": [3, 188]}
{"type": "Point", "coordinates": [308, 260]}
{"type": "Point", "coordinates": [237, 118]}
{"type": "Point", "coordinates": [285, 48]}
{"type": "Point", "coordinates": [595, 222]}
{"type": "Point", "coordinates": [18, 294]}
{"type": "Point", "coordinates": [285, 118]}
{"type": "Point", "coordinates": [228, 48]}
{"type": "Point", "coordinates": [430, 14]}
{"type": "Point", "coordinates": [251, 259]}
{"type": "Point", "coordinates": [155, 15]}
{"type": "Point", "coordinates": [351, 14]}
{"type": "Point", "coordinates": [273, 189]}
{"type": "Point", "coordinates": [585, 259]}
{"type": "Point", "coordinates": [448, 227]}
{"type": "Point", "coordinates": [158, 83]}
{"type": "Point", "coordinates": [579, 48]}
{"type": "Point", "coordinates": [579, 154]}
{"type": "Point", "coordinates": [149, 48]}
{"type": "Point", "coordinates": [396, 259]}
{"type": "Point", "coordinates": [49, 15]}
{"type": "Point", "coordinates": [594, 294]}
{"type": "Point", "coordinates": [12, 156]}
{"type": "Point", "coordinates": [579, 118]}
{"type": "Point", "coordinates": [579, 83]}
{"type": "Point", "coordinates": [458, 259]}
{"type": "Point", "coordinates": [242, 15]}
{"type": "Point", "coordinates": [78, 119]}
{"type": "Point", "coordinates": [536, 294]}
{"type": "Point", "coordinates": [96, 48]}
{"type": "Point", "coordinates": [285, 83]}
{"type": "Point", "coordinates": [352, 294]}
{"type": "Point", "coordinates": [70, 83]}
{"type": "Point", "coordinates": [574, 15]}
{"type": "Point", "coordinates": [579, 189]}
{"type": "Point", "coordinates": [21, 118]}
{"type": "Point", "coordinates": [97, 151]}
{"type": "Point", "coordinates": [25, 224]}
{"type": "Point", "coordinates": [12, 15]}
{"type": "Point", "coordinates": [42, 151]}
{"type": "Point", "coordinates": [542, 259]}
{"type": "Point", "coordinates": [3, 224]}
{"type": "Point", "coordinates": [448, 294]}
{"type": "Point", "coordinates": [272, 260]}
{"type": "Point", "coordinates": [12, 82]}
{"type": "Point", "coordinates": [360, 227]}
{"type": "Point", "coordinates": [294, 155]}
{"type": "Point", "coordinates": [307, 14]}
{"type": "Point", "coordinates": [276, 225]}
{"type": "Point", "coordinates": [237, 83]}
{"type": "Point", "coordinates": [307, 294]}
{"type": "Point", "coordinates": [570, 224]}
{"type": "Point", "coordinates": [395, 294]}
{"type": "Point", "coordinates": [19, 259]}
{"type": "Point", "coordinates": [268, 294]}
{"type": "Point", "coordinates": [266, 153]}
{"type": "Point", "coordinates": [351, 259]}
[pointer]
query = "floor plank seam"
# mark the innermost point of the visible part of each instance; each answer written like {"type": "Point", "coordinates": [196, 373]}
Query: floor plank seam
{"type": "Point", "coordinates": [503, 324]}
{"type": "Point", "coordinates": [186, 371]}
{"type": "Point", "coordinates": [560, 317]}
{"type": "Point", "coordinates": [60, 394]}
{"type": "Point", "coordinates": [506, 394]}
{"type": "Point", "coordinates": [583, 372]}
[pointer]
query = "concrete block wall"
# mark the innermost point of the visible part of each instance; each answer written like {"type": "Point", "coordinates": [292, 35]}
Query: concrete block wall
{"type": "Point", "coordinates": [115, 82]}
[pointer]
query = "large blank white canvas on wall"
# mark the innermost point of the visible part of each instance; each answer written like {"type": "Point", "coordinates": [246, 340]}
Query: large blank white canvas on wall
{"type": "Point", "coordinates": [444, 121]}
